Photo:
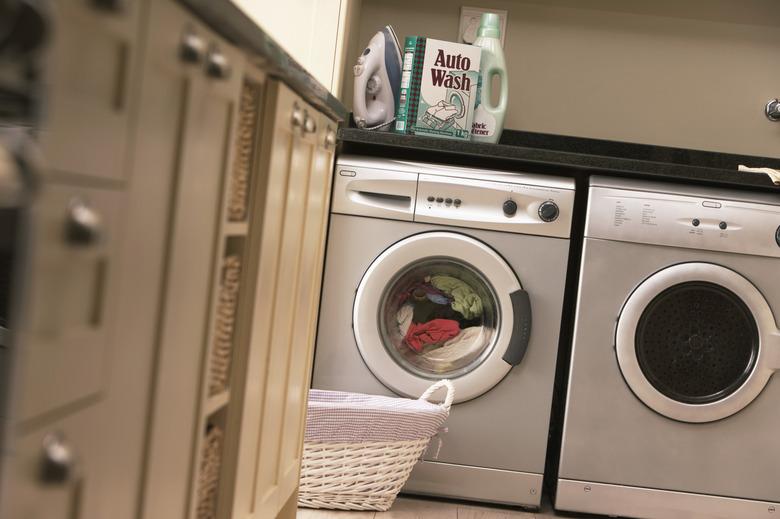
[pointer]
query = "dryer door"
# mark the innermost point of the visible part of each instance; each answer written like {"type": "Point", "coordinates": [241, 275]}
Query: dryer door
{"type": "Point", "coordinates": [697, 342]}
{"type": "Point", "coordinates": [441, 305]}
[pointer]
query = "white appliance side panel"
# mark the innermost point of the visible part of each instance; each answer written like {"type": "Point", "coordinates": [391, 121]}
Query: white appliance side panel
{"type": "Point", "coordinates": [716, 224]}
{"type": "Point", "coordinates": [481, 205]}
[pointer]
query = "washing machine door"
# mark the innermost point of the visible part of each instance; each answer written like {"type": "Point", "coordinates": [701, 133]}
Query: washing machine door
{"type": "Point", "coordinates": [697, 342]}
{"type": "Point", "coordinates": [441, 305]}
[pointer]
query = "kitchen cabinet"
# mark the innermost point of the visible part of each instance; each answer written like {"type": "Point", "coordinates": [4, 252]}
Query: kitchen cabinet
{"type": "Point", "coordinates": [89, 72]}
{"type": "Point", "coordinates": [197, 79]}
{"type": "Point", "coordinates": [291, 200]}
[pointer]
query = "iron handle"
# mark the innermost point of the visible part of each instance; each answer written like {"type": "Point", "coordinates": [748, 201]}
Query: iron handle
{"type": "Point", "coordinates": [772, 110]}
{"type": "Point", "coordinates": [83, 226]}
{"type": "Point", "coordinates": [57, 460]}
{"type": "Point", "coordinates": [309, 124]}
{"type": "Point", "coordinates": [297, 117]}
{"type": "Point", "coordinates": [192, 48]}
{"type": "Point", "coordinates": [217, 66]}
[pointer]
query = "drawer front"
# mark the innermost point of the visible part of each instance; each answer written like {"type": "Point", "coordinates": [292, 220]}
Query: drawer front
{"type": "Point", "coordinates": [88, 73]}
{"type": "Point", "coordinates": [66, 326]}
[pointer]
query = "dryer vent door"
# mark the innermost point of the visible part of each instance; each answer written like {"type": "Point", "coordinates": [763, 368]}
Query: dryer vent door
{"type": "Point", "coordinates": [441, 305]}
{"type": "Point", "coordinates": [689, 342]}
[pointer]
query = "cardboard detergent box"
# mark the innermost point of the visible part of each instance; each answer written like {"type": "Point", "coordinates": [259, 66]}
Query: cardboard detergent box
{"type": "Point", "coordinates": [438, 88]}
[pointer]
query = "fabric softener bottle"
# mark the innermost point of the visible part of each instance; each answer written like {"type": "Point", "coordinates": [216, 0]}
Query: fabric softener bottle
{"type": "Point", "coordinates": [488, 119]}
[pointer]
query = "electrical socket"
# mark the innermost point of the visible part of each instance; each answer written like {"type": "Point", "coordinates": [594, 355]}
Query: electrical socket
{"type": "Point", "coordinates": [469, 23]}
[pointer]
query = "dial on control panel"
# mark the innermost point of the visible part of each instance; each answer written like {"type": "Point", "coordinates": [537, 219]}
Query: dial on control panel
{"type": "Point", "coordinates": [549, 211]}
{"type": "Point", "coordinates": [510, 207]}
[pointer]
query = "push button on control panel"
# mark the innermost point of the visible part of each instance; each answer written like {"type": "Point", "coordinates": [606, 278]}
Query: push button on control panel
{"type": "Point", "coordinates": [723, 225]}
{"type": "Point", "coordinates": [695, 222]}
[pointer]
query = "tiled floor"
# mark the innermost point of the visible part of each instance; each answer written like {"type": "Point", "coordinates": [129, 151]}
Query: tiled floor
{"type": "Point", "coordinates": [418, 508]}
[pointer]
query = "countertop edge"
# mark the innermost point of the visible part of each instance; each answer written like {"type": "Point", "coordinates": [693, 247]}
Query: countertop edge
{"type": "Point", "coordinates": [233, 24]}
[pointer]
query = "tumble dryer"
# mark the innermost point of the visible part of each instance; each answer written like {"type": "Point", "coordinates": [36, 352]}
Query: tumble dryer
{"type": "Point", "coordinates": [448, 272]}
{"type": "Point", "coordinates": [672, 408]}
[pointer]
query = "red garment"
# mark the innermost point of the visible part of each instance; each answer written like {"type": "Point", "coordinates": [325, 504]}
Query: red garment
{"type": "Point", "coordinates": [433, 332]}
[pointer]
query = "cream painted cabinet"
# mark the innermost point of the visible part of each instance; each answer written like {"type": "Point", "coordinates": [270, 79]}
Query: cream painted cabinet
{"type": "Point", "coordinates": [295, 168]}
{"type": "Point", "coordinates": [198, 78]}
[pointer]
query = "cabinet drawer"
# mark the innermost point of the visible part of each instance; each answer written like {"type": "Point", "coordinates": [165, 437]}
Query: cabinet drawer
{"type": "Point", "coordinates": [88, 73]}
{"type": "Point", "coordinates": [67, 319]}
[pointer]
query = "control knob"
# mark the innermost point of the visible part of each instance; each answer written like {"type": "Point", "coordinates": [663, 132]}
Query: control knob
{"type": "Point", "coordinates": [510, 207]}
{"type": "Point", "coordinates": [549, 211]}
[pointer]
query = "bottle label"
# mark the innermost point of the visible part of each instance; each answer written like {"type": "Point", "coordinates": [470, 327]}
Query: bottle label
{"type": "Point", "coordinates": [484, 124]}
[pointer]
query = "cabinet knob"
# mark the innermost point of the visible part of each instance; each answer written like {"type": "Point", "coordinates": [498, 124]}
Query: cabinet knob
{"type": "Point", "coordinates": [772, 110]}
{"type": "Point", "coordinates": [83, 226]}
{"type": "Point", "coordinates": [192, 48]}
{"type": "Point", "coordinates": [297, 117]}
{"type": "Point", "coordinates": [217, 66]}
{"type": "Point", "coordinates": [309, 123]}
{"type": "Point", "coordinates": [57, 459]}
{"type": "Point", "coordinates": [330, 138]}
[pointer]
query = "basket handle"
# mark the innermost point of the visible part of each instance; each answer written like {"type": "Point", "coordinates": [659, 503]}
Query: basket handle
{"type": "Point", "coordinates": [435, 387]}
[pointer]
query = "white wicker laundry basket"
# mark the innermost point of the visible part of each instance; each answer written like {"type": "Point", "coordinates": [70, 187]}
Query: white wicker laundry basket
{"type": "Point", "coordinates": [360, 449]}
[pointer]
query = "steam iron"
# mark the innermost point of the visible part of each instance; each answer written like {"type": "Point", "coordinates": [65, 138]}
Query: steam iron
{"type": "Point", "coordinates": [378, 81]}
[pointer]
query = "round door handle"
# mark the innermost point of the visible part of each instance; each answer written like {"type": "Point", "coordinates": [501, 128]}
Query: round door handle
{"type": "Point", "coordinates": [297, 117]}
{"type": "Point", "coordinates": [57, 459]}
{"type": "Point", "coordinates": [192, 49]}
{"type": "Point", "coordinates": [83, 226]}
{"type": "Point", "coordinates": [217, 66]}
{"type": "Point", "coordinates": [330, 138]}
{"type": "Point", "coordinates": [309, 124]}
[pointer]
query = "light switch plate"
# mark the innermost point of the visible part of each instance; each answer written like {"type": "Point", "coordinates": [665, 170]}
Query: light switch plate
{"type": "Point", "coordinates": [469, 23]}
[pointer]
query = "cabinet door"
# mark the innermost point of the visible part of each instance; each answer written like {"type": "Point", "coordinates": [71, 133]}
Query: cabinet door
{"type": "Point", "coordinates": [66, 334]}
{"type": "Point", "coordinates": [307, 300]}
{"type": "Point", "coordinates": [208, 106]}
{"type": "Point", "coordinates": [89, 71]}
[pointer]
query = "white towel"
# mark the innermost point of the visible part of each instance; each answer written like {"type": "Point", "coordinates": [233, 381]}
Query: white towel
{"type": "Point", "coordinates": [774, 174]}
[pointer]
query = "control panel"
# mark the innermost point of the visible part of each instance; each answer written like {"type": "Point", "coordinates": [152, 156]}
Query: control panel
{"type": "Point", "coordinates": [682, 220]}
{"type": "Point", "coordinates": [486, 204]}
{"type": "Point", "coordinates": [455, 196]}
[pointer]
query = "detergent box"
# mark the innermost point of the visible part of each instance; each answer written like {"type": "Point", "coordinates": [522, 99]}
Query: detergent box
{"type": "Point", "coordinates": [438, 88]}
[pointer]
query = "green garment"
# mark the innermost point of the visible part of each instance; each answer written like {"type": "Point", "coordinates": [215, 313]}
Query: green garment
{"type": "Point", "coordinates": [464, 299]}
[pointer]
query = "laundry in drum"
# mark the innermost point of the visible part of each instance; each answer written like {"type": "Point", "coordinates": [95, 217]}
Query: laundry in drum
{"type": "Point", "coordinates": [439, 312]}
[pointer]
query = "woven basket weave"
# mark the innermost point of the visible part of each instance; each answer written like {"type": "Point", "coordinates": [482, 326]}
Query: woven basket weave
{"type": "Point", "coordinates": [364, 475]}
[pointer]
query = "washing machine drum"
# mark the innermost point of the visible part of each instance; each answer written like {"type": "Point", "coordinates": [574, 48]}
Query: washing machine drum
{"type": "Point", "coordinates": [441, 305]}
{"type": "Point", "coordinates": [694, 342]}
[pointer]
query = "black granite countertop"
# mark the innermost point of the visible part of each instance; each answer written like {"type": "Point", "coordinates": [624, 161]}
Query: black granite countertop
{"type": "Point", "coordinates": [569, 156]}
{"type": "Point", "coordinates": [234, 25]}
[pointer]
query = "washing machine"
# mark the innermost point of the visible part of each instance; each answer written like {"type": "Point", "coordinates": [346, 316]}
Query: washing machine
{"type": "Point", "coordinates": [436, 272]}
{"type": "Point", "coordinates": [673, 406]}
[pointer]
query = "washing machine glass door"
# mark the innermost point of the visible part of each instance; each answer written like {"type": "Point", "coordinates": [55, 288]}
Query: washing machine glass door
{"type": "Point", "coordinates": [697, 342]}
{"type": "Point", "coordinates": [441, 305]}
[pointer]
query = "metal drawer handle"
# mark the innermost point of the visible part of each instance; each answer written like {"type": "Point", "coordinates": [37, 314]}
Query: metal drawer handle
{"type": "Point", "coordinates": [218, 66]}
{"type": "Point", "coordinates": [84, 225]}
{"type": "Point", "coordinates": [57, 460]}
{"type": "Point", "coordinates": [309, 124]}
{"type": "Point", "coordinates": [192, 48]}
{"type": "Point", "coordinates": [330, 138]}
{"type": "Point", "coordinates": [297, 117]}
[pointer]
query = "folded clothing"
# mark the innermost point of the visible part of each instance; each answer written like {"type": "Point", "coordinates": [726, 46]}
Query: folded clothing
{"type": "Point", "coordinates": [437, 331]}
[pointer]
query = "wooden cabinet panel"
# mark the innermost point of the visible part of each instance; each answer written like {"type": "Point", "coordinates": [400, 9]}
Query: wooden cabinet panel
{"type": "Point", "coordinates": [293, 196]}
{"type": "Point", "coordinates": [75, 233]}
{"type": "Point", "coordinates": [199, 165]}
{"type": "Point", "coordinates": [88, 71]}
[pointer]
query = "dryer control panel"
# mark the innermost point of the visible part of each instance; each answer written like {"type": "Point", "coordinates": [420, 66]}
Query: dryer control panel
{"type": "Point", "coordinates": [456, 196]}
{"type": "Point", "coordinates": [697, 218]}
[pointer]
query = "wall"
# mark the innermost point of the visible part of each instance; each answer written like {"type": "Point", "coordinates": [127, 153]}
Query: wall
{"type": "Point", "coordinates": [693, 73]}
